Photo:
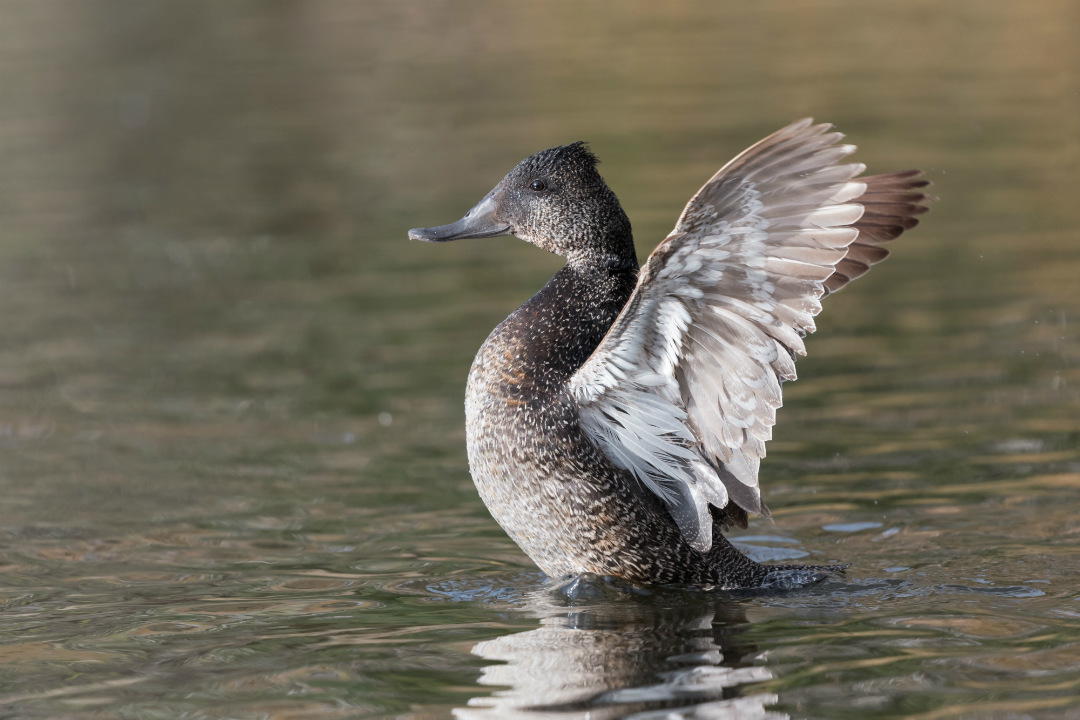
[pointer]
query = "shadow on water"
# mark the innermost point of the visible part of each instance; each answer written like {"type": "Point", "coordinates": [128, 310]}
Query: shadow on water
{"type": "Point", "coordinates": [605, 650]}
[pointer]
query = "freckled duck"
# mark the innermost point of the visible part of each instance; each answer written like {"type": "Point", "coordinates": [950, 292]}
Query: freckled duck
{"type": "Point", "coordinates": [617, 419]}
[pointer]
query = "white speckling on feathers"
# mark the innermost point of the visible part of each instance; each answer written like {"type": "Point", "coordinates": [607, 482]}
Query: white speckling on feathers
{"type": "Point", "coordinates": [683, 390]}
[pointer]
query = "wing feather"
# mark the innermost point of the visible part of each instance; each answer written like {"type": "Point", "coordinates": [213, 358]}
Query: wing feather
{"type": "Point", "coordinates": [683, 390]}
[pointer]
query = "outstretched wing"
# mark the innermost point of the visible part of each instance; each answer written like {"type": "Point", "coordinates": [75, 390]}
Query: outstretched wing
{"type": "Point", "coordinates": [683, 390]}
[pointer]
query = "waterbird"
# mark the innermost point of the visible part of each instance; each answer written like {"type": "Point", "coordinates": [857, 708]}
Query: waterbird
{"type": "Point", "coordinates": [617, 420]}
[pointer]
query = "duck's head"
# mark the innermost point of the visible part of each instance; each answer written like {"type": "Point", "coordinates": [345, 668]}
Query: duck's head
{"type": "Point", "coordinates": [555, 200]}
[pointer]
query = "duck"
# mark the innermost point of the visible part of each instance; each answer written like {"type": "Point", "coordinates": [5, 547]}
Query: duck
{"type": "Point", "coordinates": [616, 421]}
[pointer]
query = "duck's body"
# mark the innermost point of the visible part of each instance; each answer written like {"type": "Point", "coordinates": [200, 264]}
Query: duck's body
{"type": "Point", "coordinates": [558, 496]}
{"type": "Point", "coordinates": [597, 430]}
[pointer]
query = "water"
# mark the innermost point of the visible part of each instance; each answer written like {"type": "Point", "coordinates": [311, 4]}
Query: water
{"type": "Point", "coordinates": [231, 430]}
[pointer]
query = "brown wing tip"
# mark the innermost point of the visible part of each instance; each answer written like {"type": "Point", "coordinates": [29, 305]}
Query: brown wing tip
{"type": "Point", "coordinates": [892, 205]}
{"type": "Point", "coordinates": [894, 199]}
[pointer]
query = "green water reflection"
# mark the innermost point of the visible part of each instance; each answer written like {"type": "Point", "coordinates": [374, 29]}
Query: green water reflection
{"type": "Point", "coordinates": [232, 460]}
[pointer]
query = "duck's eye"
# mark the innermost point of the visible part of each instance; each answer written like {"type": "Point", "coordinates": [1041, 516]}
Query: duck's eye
{"type": "Point", "coordinates": [538, 185]}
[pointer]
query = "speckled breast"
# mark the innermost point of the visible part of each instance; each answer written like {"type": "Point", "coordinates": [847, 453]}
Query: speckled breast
{"type": "Point", "coordinates": [527, 461]}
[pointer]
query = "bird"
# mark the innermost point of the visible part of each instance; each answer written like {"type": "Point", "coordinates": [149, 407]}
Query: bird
{"type": "Point", "coordinates": [616, 421]}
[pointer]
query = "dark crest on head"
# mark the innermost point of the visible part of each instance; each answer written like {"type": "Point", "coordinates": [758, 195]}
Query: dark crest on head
{"type": "Point", "coordinates": [564, 160]}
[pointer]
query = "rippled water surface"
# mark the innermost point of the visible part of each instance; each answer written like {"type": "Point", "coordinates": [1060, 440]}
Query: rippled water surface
{"type": "Point", "coordinates": [232, 469]}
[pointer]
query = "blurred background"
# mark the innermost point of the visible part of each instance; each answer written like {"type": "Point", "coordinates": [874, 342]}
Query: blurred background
{"type": "Point", "coordinates": [232, 469]}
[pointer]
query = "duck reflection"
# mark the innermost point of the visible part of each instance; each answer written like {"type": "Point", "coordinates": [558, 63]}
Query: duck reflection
{"type": "Point", "coordinates": [604, 651]}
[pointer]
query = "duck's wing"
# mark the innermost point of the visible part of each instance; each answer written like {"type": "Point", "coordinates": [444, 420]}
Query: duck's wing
{"type": "Point", "coordinates": [684, 388]}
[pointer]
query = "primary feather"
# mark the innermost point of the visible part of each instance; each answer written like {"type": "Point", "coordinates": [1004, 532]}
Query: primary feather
{"type": "Point", "coordinates": [683, 390]}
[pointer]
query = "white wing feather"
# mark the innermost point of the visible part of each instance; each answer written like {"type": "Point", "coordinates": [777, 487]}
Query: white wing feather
{"type": "Point", "coordinates": [683, 390]}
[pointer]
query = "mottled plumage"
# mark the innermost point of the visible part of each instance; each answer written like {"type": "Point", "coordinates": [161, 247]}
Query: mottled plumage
{"type": "Point", "coordinates": [616, 421]}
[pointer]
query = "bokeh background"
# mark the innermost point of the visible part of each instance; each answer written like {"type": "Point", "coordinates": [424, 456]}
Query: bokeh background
{"type": "Point", "coordinates": [232, 469]}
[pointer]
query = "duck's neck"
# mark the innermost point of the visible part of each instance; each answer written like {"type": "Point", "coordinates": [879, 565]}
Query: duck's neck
{"type": "Point", "coordinates": [556, 331]}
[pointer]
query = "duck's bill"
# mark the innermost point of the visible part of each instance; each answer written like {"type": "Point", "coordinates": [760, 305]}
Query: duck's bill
{"type": "Point", "coordinates": [479, 222]}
